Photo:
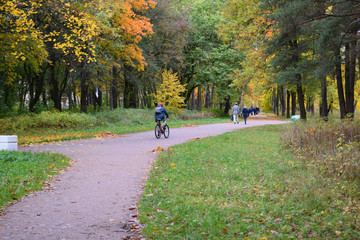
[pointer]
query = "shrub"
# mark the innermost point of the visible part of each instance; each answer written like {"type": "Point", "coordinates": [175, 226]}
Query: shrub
{"type": "Point", "coordinates": [124, 116]}
{"type": "Point", "coordinates": [193, 114]}
{"type": "Point", "coordinates": [47, 120]}
{"type": "Point", "coordinates": [332, 146]}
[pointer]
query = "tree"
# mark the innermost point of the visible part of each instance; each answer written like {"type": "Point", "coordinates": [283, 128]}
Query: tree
{"type": "Point", "coordinates": [244, 26]}
{"type": "Point", "coordinates": [170, 92]}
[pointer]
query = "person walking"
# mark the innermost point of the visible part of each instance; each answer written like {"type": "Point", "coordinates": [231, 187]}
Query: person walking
{"type": "Point", "coordinates": [235, 112]}
{"type": "Point", "coordinates": [245, 113]}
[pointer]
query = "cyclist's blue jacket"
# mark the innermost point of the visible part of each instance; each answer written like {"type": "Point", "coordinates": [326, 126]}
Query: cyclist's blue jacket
{"type": "Point", "coordinates": [161, 116]}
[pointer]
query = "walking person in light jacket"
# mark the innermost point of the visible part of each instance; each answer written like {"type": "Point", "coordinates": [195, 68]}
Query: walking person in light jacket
{"type": "Point", "coordinates": [235, 112]}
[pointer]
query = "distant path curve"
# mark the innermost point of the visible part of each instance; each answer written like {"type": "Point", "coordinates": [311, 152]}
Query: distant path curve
{"type": "Point", "coordinates": [97, 196]}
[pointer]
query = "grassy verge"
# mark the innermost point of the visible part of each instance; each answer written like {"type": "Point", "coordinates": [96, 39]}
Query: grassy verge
{"type": "Point", "coordinates": [243, 185]}
{"type": "Point", "coordinates": [55, 126]}
{"type": "Point", "coordinates": [23, 172]}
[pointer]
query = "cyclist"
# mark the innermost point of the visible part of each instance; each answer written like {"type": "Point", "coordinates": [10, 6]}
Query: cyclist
{"type": "Point", "coordinates": [160, 113]}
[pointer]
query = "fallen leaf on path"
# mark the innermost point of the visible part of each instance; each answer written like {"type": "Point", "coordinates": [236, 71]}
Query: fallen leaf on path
{"type": "Point", "coordinates": [189, 125]}
{"type": "Point", "coordinates": [108, 135]}
{"type": "Point", "coordinates": [159, 149]}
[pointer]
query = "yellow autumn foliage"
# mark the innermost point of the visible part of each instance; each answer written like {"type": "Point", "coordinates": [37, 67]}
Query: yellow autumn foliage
{"type": "Point", "coordinates": [170, 92]}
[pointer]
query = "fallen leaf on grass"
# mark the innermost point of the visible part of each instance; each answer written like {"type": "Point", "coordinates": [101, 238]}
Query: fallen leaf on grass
{"type": "Point", "coordinates": [246, 220]}
{"type": "Point", "coordinates": [194, 139]}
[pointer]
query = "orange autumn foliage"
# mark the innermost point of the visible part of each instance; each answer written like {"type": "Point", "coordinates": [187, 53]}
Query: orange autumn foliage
{"type": "Point", "coordinates": [132, 28]}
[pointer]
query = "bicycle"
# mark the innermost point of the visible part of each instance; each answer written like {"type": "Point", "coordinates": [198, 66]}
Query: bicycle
{"type": "Point", "coordinates": [164, 129]}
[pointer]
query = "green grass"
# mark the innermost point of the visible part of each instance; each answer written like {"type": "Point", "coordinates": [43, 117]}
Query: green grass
{"type": "Point", "coordinates": [56, 126]}
{"type": "Point", "coordinates": [243, 185]}
{"type": "Point", "coordinates": [23, 172]}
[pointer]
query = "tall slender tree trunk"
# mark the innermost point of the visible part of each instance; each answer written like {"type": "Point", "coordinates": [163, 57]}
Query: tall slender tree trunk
{"type": "Point", "coordinates": [39, 80]}
{"type": "Point", "coordinates": [352, 79]}
{"type": "Point", "coordinates": [293, 102]}
{"type": "Point", "coordinates": [83, 88]}
{"type": "Point", "coordinates": [227, 105]}
{"type": "Point", "coordinates": [324, 104]}
{"type": "Point", "coordinates": [282, 101]}
{"type": "Point", "coordinates": [199, 99]}
{"type": "Point", "coordinates": [131, 91]}
{"type": "Point", "coordinates": [350, 62]}
{"type": "Point", "coordinates": [301, 101]}
{"type": "Point", "coordinates": [288, 104]}
{"type": "Point", "coordinates": [193, 100]}
{"type": "Point", "coordinates": [113, 88]}
{"type": "Point", "coordinates": [241, 99]}
{"type": "Point", "coordinates": [55, 91]}
{"type": "Point", "coordinates": [339, 83]}
{"type": "Point", "coordinates": [207, 96]}
{"type": "Point", "coordinates": [277, 100]}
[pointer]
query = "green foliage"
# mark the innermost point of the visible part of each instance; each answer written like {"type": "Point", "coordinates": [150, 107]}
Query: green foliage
{"type": "Point", "coordinates": [123, 116]}
{"type": "Point", "coordinates": [242, 185]}
{"type": "Point", "coordinates": [24, 172]}
{"type": "Point", "coordinates": [193, 114]}
{"type": "Point", "coordinates": [46, 120]}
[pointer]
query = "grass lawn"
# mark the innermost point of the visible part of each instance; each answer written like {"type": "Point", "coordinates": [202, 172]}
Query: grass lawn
{"type": "Point", "coordinates": [243, 185]}
{"type": "Point", "coordinates": [40, 135]}
{"type": "Point", "coordinates": [23, 172]}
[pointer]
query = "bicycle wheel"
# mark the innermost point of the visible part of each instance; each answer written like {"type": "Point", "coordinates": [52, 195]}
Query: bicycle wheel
{"type": "Point", "coordinates": [166, 131]}
{"type": "Point", "coordinates": [157, 131]}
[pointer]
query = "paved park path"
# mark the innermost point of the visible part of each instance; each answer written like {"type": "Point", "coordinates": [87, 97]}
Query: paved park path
{"type": "Point", "coordinates": [96, 198]}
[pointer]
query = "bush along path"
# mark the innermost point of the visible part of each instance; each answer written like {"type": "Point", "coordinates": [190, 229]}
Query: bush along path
{"type": "Point", "coordinates": [97, 197]}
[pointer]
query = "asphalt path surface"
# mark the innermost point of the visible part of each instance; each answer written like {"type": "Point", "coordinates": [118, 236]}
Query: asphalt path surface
{"type": "Point", "coordinates": [96, 198]}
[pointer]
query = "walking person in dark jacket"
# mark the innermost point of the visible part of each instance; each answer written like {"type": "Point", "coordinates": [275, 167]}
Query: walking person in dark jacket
{"type": "Point", "coordinates": [245, 113]}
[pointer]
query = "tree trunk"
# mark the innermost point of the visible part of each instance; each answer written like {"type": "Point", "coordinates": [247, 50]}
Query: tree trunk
{"type": "Point", "coordinates": [282, 101]}
{"type": "Point", "coordinates": [130, 94]}
{"type": "Point", "coordinates": [212, 89]}
{"type": "Point", "coordinates": [113, 89]}
{"type": "Point", "coordinates": [324, 104]}
{"type": "Point", "coordinates": [241, 99]}
{"type": "Point", "coordinates": [339, 83]}
{"type": "Point", "coordinates": [38, 90]}
{"type": "Point", "coordinates": [55, 91]}
{"type": "Point", "coordinates": [199, 99]}
{"type": "Point", "coordinates": [277, 100]}
{"type": "Point", "coordinates": [193, 100]}
{"type": "Point", "coordinates": [207, 96]}
{"type": "Point", "coordinates": [352, 78]}
{"type": "Point", "coordinates": [227, 105]}
{"type": "Point", "coordinates": [301, 101]}
{"type": "Point", "coordinates": [293, 102]}
{"type": "Point", "coordinates": [288, 104]}
{"type": "Point", "coordinates": [350, 53]}
{"type": "Point", "coordinates": [83, 88]}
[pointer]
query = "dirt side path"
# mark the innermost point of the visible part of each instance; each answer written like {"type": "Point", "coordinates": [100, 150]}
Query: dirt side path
{"type": "Point", "coordinates": [96, 198]}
